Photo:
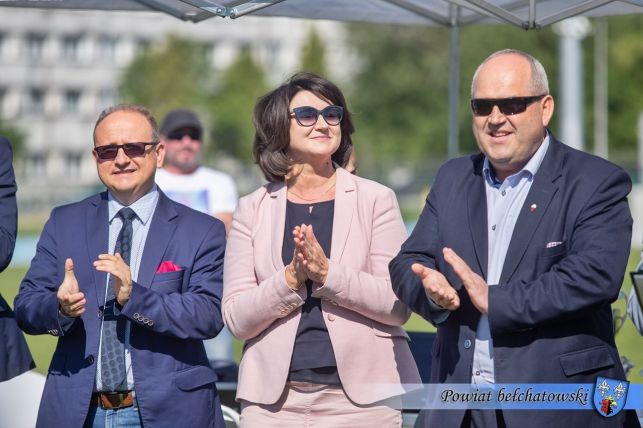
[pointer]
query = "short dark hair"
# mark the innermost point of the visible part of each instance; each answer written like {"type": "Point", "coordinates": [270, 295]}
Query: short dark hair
{"type": "Point", "coordinates": [142, 110]}
{"type": "Point", "coordinates": [272, 124]}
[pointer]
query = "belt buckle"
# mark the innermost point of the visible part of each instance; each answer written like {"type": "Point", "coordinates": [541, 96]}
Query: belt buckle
{"type": "Point", "coordinates": [115, 400]}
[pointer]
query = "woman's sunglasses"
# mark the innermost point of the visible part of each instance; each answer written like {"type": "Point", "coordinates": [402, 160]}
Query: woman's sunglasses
{"type": "Point", "coordinates": [110, 151]}
{"type": "Point", "coordinates": [307, 116]}
{"type": "Point", "coordinates": [507, 106]}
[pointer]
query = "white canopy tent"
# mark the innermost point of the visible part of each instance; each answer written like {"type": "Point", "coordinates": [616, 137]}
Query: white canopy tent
{"type": "Point", "coordinates": [526, 14]}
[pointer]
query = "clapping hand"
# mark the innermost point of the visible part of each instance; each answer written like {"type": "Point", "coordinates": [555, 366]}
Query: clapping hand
{"type": "Point", "coordinates": [120, 271]}
{"type": "Point", "coordinates": [475, 285]}
{"type": "Point", "coordinates": [71, 301]}
{"type": "Point", "coordinates": [310, 253]}
{"type": "Point", "coordinates": [436, 287]}
{"type": "Point", "coordinates": [295, 273]}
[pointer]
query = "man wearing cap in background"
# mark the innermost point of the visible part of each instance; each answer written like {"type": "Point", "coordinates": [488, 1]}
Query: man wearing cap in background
{"type": "Point", "coordinates": [186, 181]}
{"type": "Point", "coordinates": [183, 178]}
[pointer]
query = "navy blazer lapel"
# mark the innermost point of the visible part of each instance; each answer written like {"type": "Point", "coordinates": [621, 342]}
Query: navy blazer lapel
{"type": "Point", "coordinates": [97, 235]}
{"type": "Point", "coordinates": [161, 231]}
{"type": "Point", "coordinates": [477, 214]}
{"type": "Point", "coordinates": [535, 206]}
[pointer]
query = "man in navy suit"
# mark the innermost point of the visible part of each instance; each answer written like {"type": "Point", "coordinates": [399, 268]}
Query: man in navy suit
{"type": "Point", "coordinates": [517, 255]}
{"type": "Point", "coordinates": [14, 353]}
{"type": "Point", "coordinates": [130, 282]}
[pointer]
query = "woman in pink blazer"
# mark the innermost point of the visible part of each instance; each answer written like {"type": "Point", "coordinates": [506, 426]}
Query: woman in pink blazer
{"type": "Point", "coordinates": [306, 280]}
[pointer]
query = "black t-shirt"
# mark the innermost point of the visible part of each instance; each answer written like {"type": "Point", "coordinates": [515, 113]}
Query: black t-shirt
{"type": "Point", "coordinates": [313, 359]}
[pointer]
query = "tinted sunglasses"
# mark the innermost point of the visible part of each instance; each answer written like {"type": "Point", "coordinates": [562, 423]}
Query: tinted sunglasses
{"type": "Point", "coordinates": [507, 106]}
{"type": "Point", "coordinates": [180, 133]}
{"type": "Point", "coordinates": [307, 116]}
{"type": "Point", "coordinates": [110, 151]}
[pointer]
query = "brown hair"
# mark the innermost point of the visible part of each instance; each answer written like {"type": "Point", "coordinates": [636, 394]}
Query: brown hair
{"type": "Point", "coordinates": [272, 124]}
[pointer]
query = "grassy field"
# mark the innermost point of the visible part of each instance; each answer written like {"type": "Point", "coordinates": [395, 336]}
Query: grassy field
{"type": "Point", "coordinates": [628, 340]}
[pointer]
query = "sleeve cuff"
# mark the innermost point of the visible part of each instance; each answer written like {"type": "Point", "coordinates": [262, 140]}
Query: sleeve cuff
{"type": "Point", "coordinates": [438, 314]}
{"type": "Point", "coordinates": [64, 322]}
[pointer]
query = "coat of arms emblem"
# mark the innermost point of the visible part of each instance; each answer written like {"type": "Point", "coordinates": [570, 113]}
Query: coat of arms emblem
{"type": "Point", "coordinates": [610, 395]}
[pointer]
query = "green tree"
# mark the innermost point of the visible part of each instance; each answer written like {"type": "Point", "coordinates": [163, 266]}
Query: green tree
{"type": "Point", "coordinates": [172, 75]}
{"type": "Point", "coordinates": [625, 80]}
{"type": "Point", "coordinates": [313, 54]}
{"type": "Point", "coordinates": [15, 136]}
{"type": "Point", "coordinates": [232, 105]}
{"type": "Point", "coordinates": [406, 115]}
{"type": "Point", "coordinates": [398, 95]}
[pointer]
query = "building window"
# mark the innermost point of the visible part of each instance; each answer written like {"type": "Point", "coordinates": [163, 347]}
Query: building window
{"type": "Point", "coordinates": [106, 50]}
{"type": "Point", "coordinates": [70, 48]}
{"type": "Point", "coordinates": [271, 54]}
{"type": "Point", "coordinates": [71, 101]}
{"type": "Point", "coordinates": [37, 164]}
{"type": "Point", "coordinates": [35, 101]}
{"type": "Point", "coordinates": [72, 163]}
{"type": "Point", "coordinates": [35, 45]}
{"type": "Point", "coordinates": [106, 98]}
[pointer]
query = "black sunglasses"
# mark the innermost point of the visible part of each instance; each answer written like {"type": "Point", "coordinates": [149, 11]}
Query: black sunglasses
{"type": "Point", "coordinates": [110, 151]}
{"type": "Point", "coordinates": [307, 116]}
{"type": "Point", "coordinates": [507, 106]}
{"type": "Point", "coordinates": [180, 133]}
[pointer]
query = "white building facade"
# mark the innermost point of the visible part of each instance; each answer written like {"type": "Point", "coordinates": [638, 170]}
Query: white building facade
{"type": "Point", "coordinates": [59, 69]}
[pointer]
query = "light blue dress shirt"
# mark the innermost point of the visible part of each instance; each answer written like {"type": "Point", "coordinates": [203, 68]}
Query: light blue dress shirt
{"type": "Point", "coordinates": [504, 203]}
{"type": "Point", "coordinates": [144, 209]}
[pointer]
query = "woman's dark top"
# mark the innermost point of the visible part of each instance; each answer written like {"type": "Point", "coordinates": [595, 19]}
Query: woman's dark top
{"type": "Point", "coordinates": [313, 359]}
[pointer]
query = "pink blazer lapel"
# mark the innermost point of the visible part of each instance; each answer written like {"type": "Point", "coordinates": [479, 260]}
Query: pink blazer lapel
{"type": "Point", "coordinates": [345, 201]}
{"type": "Point", "coordinates": [278, 197]}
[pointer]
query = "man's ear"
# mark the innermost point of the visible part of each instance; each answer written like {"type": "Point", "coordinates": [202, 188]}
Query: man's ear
{"type": "Point", "coordinates": [160, 154]}
{"type": "Point", "coordinates": [547, 104]}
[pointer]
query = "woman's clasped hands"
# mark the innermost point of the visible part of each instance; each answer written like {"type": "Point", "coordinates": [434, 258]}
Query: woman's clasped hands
{"type": "Point", "coordinates": [309, 260]}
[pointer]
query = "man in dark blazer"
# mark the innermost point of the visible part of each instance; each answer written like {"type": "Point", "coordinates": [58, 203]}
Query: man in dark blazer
{"type": "Point", "coordinates": [14, 353]}
{"type": "Point", "coordinates": [148, 367]}
{"type": "Point", "coordinates": [518, 254]}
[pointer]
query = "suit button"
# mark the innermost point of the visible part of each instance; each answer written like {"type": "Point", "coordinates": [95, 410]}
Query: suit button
{"type": "Point", "coordinates": [467, 344]}
{"type": "Point", "coordinates": [330, 317]}
{"type": "Point", "coordinates": [90, 359]}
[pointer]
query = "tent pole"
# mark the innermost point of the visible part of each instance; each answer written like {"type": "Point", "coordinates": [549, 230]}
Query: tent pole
{"type": "Point", "coordinates": [600, 88]}
{"type": "Point", "coordinates": [454, 81]}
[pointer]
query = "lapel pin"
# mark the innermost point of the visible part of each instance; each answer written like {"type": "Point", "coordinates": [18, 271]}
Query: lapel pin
{"type": "Point", "coordinates": [533, 207]}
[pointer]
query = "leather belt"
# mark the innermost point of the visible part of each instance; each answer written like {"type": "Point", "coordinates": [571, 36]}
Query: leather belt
{"type": "Point", "coordinates": [114, 400]}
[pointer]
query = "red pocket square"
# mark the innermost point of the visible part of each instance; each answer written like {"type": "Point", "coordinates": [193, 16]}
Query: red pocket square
{"type": "Point", "coordinates": [167, 266]}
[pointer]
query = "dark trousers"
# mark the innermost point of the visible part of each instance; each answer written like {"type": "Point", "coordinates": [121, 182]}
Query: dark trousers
{"type": "Point", "coordinates": [483, 419]}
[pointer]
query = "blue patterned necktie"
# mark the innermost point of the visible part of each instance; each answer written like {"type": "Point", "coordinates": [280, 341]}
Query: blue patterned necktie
{"type": "Point", "coordinates": [113, 371]}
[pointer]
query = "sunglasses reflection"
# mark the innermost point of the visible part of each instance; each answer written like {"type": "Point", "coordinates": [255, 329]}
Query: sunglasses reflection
{"type": "Point", "coordinates": [110, 151]}
{"type": "Point", "coordinates": [308, 116]}
{"type": "Point", "coordinates": [507, 106]}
